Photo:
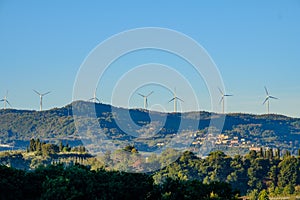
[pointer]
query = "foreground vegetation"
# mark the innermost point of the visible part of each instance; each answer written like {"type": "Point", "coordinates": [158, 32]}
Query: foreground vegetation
{"type": "Point", "coordinates": [255, 173]}
{"type": "Point", "coordinates": [79, 182]}
{"type": "Point", "coordinates": [266, 172]}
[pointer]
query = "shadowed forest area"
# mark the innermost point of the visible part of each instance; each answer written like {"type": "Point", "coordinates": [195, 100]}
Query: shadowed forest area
{"type": "Point", "coordinates": [267, 172]}
{"type": "Point", "coordinates": [79, 182]}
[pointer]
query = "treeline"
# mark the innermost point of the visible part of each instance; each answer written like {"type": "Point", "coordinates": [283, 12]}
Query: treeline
{"type": "Point", "coordinates": [47, 149]}
{"type": "Point", "coordinates": [266, 172]}
{"type": "Point", "coordinates": [79, 182]}
{"type": "Point", "coordinates": [41, 153]}
{"type": "Point", "coordinates": [256, 172]}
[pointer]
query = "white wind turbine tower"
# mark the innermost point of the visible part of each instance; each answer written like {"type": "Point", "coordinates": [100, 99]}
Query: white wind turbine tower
{"type": "Point", "coordinates": [41, 98]}
{"type": "Point", "coordinates": [175, 98]}
{"type": "Point", "coordinates": [5, 101]}
{"type": "Point", "coordinates": [95, 99]}
{"type": "Point", "coordinates": [145, 99]}
{"type": "Point", "coordinates": [223, 99]}
{"type": "Point", "coordinates": [268, 97]}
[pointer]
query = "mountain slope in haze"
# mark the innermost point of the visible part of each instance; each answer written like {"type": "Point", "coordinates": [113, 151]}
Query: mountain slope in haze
{"type": "Point", "coordinates": [150, 130]}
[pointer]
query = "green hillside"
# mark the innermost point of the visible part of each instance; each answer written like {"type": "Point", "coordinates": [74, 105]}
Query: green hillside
{"type": "Point", "coordinates": [240, 131]}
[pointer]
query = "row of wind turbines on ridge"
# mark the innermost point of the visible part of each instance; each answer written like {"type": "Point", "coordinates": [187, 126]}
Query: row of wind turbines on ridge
{"type": "Point", "coordinates": [41, 95]}
{"type": "Point", "coordinates": [145, 97]}
{"type": "Point", "coordinates": [222, 100]}
{"type": "Point", "coordinates": [174, 99]}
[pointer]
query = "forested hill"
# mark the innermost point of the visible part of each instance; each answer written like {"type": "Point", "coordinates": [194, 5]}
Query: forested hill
{"type": "Point", "coordinates": [240, 130]}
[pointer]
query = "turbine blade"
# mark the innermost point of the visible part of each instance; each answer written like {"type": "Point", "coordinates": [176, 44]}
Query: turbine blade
{"type": "Point", "coordinates": [266, 91]}
{"type": "Point", "coordinates": [222, 98]}
{"type": "Point", "coordinates": [46, 93]}
{"type": "Point", "coordinates": [266, 100]}
{"type": "Point", "coordinates": [146, 103]}
{"type": "Point", "coordinates": [98, 100]}
{"type": "Point", "coordinates": [220, 91]}
{"type": "Point", "coordinates": [171, 99]}
{"type": "Point", "coordinates": [8, 103]}
{"type": "Point", "coordinates": [37, 92]}
{"type": "Point", "coordinates": [149, 94]}
{"type": "Point", "coordinates": [141, 95]}
{"type": "Point", "coordinates": [179, 99]}
{"type": "Point", "coordinates": [228, 95]}
{"type": "Point", "coordinates": [273, 97]}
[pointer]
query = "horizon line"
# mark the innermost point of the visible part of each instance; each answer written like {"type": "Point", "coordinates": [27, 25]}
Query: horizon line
{"type": "Point", "coordinates": [142, 109]}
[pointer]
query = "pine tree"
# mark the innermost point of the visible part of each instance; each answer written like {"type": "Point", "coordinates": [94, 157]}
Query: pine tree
{"type": "Point", "coordinates": [277, 153]}
{"type": "Point", "coordinates": [263, 195]}
{"type": "Point", "coordinates": [38, 145]}
{"type": "Point", "coordinates": [32, 146]}
{"type": "Point", "coordinates": [61, 146]}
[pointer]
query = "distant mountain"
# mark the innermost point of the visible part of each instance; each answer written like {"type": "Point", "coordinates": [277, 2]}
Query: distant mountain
{"type": "Point", "coordinates": [148, 130]}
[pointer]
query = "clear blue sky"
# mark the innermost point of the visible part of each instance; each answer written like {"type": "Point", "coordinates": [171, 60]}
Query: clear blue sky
{"type": "Point", "coordinates": [253, 43]}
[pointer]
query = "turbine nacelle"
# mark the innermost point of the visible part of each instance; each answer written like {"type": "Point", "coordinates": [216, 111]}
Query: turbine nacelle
{"type": "Point", "coordinates": [40, 94]}
{"type": "Point", "coordinates": [41, 98]}
{"type": "Point", "coordinates": [94, 98]}
{"type": "Point", "coordinates": [222, 100]}
{"type": "Point", "coordinates": [175, 98]}
{"type": "Point", "coordinates": [267, 100]}
{"type": "Point", "coordinates": [5, 101]}
{"type": "Point", "coordinates": [145, 99]}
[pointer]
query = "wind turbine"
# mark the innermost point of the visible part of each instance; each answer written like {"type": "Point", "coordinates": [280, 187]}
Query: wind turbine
{"type": "Point", "coordinates": [175, 98]}
{"type": "Point", "coordinates": [223, 99]}
{"type": "Point", "coordinates": [5, 101]}
{"type": "Point", "coordinates": [41, 98]}
{"type": "Point", "coordinates": [145, 99]}
{"type": "Point", "coordinates": [268, 97]}
{"type": "Point", "coordinates": [94, 99]}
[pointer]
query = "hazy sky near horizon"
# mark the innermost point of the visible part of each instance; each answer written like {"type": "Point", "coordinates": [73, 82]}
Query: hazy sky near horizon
{"type": "Point", "coordinates": [253, 43]}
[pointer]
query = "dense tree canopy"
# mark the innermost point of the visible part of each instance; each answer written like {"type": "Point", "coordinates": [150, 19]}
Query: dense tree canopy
{"type": "Point", "coordinates": [254, 174]}
{"type": "Point", "coordinates": [79, 182]}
